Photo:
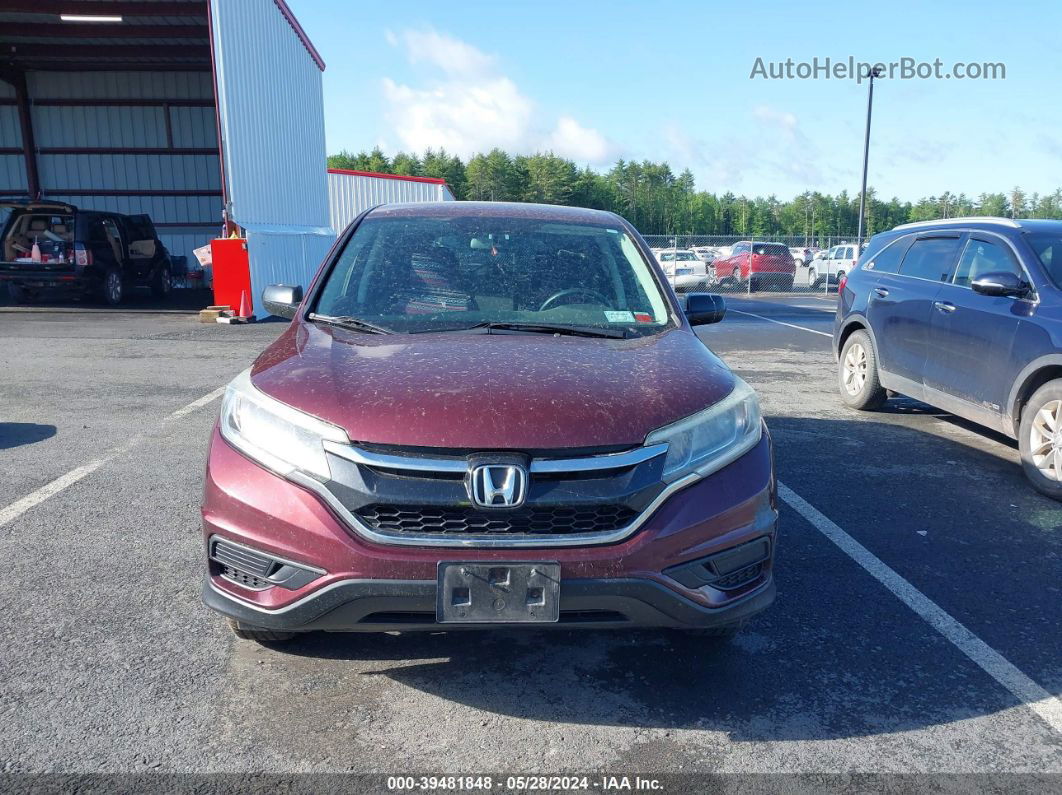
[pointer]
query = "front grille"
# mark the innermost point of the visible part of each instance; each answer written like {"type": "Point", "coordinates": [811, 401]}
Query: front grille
{"type": "Point", "coordinates": [539, 520]}
{"type": "Point", "coordinates": [244, 579]}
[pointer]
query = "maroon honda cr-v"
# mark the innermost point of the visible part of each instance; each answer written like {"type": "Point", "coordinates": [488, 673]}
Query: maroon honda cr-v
{"type": "Point", "coordinates": [488, 414]}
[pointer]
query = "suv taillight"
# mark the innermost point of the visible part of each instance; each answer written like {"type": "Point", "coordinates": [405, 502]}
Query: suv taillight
{"type": "Point", "coordinates": [82, 255]}
{"type": "Point", "coordinates": [841, 283]}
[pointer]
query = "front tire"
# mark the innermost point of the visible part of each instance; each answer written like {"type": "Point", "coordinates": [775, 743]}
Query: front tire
{"type": "Point", "coordinates": [258, 634]}
{"type": "Point", "coordinates": [1040, 439]}
{"type": "Point", "coordinates": [813, 279]}
{"type": "Point", "coordinates": [857, 370]}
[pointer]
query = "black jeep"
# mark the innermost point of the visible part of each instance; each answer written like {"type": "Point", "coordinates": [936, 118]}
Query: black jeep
{"type": "Point", "coordinates": [85, 251]}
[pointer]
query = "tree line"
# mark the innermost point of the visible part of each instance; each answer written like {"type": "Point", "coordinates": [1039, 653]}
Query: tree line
{"type": "Point", "coordinates": [658, 201]}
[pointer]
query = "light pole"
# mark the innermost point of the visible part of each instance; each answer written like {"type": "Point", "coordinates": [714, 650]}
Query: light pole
{"type": "Point", "coordinates": [874, 71]}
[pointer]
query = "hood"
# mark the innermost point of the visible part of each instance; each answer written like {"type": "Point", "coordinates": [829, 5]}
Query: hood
{"type": "Point", "coordinates": [492, 391]}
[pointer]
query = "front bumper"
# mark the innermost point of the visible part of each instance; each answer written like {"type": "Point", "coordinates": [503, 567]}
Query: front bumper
{"type": "Point", "coordinates": [370, 586]}
{"type": "Point", "coordinates": [409, 605]}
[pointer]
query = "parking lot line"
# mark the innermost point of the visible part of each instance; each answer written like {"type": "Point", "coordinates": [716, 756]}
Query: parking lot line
{"type": "Point", "coordinates": [20, 506]}
{"type": "Point", "coordinates": [1036, 698]}
{"type": "Point", "coordinates": [780, 323]}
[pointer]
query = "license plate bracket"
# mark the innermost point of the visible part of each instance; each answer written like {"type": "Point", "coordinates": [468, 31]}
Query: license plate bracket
{"type": "Point", "coordinates": [498, 593]}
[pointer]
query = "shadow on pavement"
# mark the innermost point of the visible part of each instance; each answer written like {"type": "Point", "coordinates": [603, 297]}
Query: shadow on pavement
{"type": "Point", "coordinates": [16, 434]}
{"type": "Point", "coordinates": [137, 300]}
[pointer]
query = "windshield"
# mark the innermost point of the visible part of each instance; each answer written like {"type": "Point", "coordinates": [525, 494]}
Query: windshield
{"type": "Point", "coordinates": [425, 274]}
{"type": "Point", "coordinates": [1048, 250]}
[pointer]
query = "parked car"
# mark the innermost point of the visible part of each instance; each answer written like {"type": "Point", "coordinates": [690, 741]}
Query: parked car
{"type": "Point", "coordinates": [801, 256]}
{"type": "Point", "coordinates": [684, 269]}
{"type": "Point", "coordinates": [758, 265]}
{"type": "Point", "coordinates": [450, 438]}
{"type": "Point", "coordinates": [705, 253]}
{"type": "Point", "coordinates": [833, 264]}
{"type": "Point", "coordinates": [966, 315]}
{"type": "Point", "coordinates": [80, 250]}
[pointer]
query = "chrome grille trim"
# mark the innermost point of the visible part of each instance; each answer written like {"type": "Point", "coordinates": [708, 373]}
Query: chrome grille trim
{"type": "Point", "coordinates": [593, 463]}
{"type": "Point", "coordinates": [490, 542]}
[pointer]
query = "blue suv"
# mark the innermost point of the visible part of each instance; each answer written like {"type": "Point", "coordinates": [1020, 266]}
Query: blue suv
{"type": "Point", "coordinates": [966, 315]}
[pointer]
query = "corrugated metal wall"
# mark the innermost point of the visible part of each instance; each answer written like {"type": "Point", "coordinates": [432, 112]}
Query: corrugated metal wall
{"type": "Point", "coordinates": [272, 122]}
{"type": "Point", "coordinates": [88, 141]}
{"type": "Point", "coordinates": [350, 194]}
{"type": "Point", "coordinates": [12, 166]}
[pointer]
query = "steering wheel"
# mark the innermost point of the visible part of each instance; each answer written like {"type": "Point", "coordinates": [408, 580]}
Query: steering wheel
{"type": "Point", "coordinates": [574, 291]}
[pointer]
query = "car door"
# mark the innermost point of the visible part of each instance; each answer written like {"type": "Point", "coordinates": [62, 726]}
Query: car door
{"type": "Point", "coordinates": [900, 307]}
{"type": "Point", "coordinates": [99, 245]}
{"type": "Point", "coordinates": [971, 334]}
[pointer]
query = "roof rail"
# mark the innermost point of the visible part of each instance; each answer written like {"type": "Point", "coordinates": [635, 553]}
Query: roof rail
{"type": "Point", "coordinates": [968, 219]}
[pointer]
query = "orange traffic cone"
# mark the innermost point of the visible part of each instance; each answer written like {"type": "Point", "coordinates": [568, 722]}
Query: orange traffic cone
{"type": "Point", "coordinates": [245, 308]}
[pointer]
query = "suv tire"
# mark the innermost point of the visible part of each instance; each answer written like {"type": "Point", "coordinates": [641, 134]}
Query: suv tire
{"type": "Point", "coordinates": [1040, 445]}
{"type": "Point", "coordinates": [259, 634]}
{"type": "Point", "coordinates": [162, 281]}
{"type": "Point", "coordinates": [857, 374]}
{"type": "Point", "coordinates": [113, 288]}
{"type": "Point", "coordinates": [813, 279]}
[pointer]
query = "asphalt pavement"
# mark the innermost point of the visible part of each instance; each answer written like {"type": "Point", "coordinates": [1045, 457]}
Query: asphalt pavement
{"type": "Point", "coordinates": [111, 664]}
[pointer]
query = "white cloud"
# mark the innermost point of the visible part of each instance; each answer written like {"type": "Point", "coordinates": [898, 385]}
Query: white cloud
{"type": "Point", "coordinates": [584, 145]}
{"type": "Point", "coordinates": [467, 105]}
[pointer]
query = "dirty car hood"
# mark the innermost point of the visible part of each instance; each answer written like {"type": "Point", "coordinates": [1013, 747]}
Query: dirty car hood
{"type": "Point", "coordinates": [492, 391]}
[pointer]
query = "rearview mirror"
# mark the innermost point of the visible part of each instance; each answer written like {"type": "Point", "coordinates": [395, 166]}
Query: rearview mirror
{"type": "Point", "coordinates": [1000, 283]}
{"type": "Point", "coordinates": [282, 299]}
{"type": "Point", "coordinates": [704, 308]}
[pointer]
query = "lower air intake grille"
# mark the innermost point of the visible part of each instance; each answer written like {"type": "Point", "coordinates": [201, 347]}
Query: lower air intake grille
{"type": "Point", "coordinates": [400, 519]}
{"type": "Point", "coordinates": [739, 578]}
{"type": "Point", "coordinates": [244, 579]}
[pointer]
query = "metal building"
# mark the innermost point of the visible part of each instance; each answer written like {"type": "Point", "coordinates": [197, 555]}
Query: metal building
{"type": "Point", "coordinates": [351, 192]}
{"type": "Point", "coordinates": [198, 112]}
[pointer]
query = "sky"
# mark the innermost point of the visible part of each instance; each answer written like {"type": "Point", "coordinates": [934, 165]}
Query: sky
{"type": "Point", "coordinates": [597, 81]}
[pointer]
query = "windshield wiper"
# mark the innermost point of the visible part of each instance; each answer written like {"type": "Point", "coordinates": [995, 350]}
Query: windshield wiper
{"type": "Point", "coordinates": [349, 322]}
{"type": "Point", "coordinates": [535, 328]}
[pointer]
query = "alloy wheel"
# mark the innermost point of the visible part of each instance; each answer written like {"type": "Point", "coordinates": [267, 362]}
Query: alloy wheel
{"type": "Point", "coordinates": [855, 369]}
{"type": "Point", "coordinates": [1045, 440]}
{"type": "Point", "coordinates": [114, 287]}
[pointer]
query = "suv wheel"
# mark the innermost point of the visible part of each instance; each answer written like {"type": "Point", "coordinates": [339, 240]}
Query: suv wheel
{"type": "Point", "coordinates": [1040, 439]}
{"type": "Point", "coordinates": [259, 634]}
{"type": "Point", "coordinates": [161, 282]}
{"type": "Point", "coordinates": [813, 279]}
{"type": "Point", "coordinates": [858, 374]}
{"type": "Point", "coordinates": [113, 289]}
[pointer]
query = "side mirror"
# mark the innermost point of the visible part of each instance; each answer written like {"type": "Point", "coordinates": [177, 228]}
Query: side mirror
{"type": "Point", "coordinates": [1000, 283]}
{"type": "Point", "coordinates": [704, 308]}
{"type": "Point", "coordinates": [282, 299]}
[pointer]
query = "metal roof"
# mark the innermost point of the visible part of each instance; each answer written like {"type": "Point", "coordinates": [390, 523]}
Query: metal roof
{"type": "Point", "coordinates": [153, 34]}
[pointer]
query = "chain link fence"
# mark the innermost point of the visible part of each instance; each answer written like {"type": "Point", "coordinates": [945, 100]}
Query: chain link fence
{"type": "Point", "coordinates": [735, 264]}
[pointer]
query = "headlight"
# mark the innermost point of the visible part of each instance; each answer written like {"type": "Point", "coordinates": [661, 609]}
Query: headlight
{"type": "Point", "coordinates": [273, 433]}
{"type": "Point", "coordinates": [711, 439]}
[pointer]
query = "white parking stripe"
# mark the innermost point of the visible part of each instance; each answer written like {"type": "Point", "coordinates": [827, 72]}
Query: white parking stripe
{"type": "Point", "coordinates": [992, 662]}
{"type": "Point", "coordinates": [780, 323]}
{"type": "Point", "coordinates": [19, 507]}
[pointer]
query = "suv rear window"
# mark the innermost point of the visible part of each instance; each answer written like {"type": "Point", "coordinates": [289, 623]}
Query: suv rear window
{"type": "Point", "coordinates": [931, 258]}
{"type": "Point", "coordinates": [772, 250]}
